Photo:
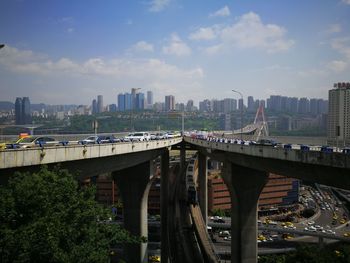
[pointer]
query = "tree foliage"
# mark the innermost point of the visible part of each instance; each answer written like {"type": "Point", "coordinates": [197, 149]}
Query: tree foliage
{"type": "Point", "coordinates": [47, 217]}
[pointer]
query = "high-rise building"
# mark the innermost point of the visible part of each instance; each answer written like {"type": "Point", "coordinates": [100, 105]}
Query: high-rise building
{"type": "Point", "coordinates": [180, 106]}
{"type": "Point", "coordinates": [169, 103]}
{"type": "Point", "coordinates": [140, 101]}
{"type": "Point", "coordinates": [18, 111]}
{"type": "Point", "coordinates": [94, 107]}
{"type": "Point", "coordinates": [99, 103]}
{"type": "Point", "coordinates": [313, 106]}
{"type": "Point", "coordinates": [149, 99]}
{"type": "Point", "coordinates": [293, 105]}
{"type": "Point", "coordinates": [112, 107]}
{"type": "Point", "coordinates": [250, 104]}
{"type": "Point", "coordinates": [338, 132]}
{"type": "Point", "coordinates": [240, 104]}
{"type": "Point", "coordinates": [128, 101]}
{"type": "Point", "coordinates": [304, 105]}
{"type": "Point", "coordinates": [26, 114]}
{"type": "Point", "coordinates": [189, 105]}
{"type": "Point", "coordinates": [229, 105]}
{"type": "Point", "coordinates": [205, 106]}
{"type": "Point", "coordinates": [133, 97]}
{"type": "Point", "coordinates": [121, 102]}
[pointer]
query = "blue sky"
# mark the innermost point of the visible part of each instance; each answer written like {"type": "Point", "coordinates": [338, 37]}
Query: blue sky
{"type": "Point", "coordinates": [62, 52]}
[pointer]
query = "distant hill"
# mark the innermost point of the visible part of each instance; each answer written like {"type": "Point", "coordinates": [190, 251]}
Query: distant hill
{"type": "Point", "coordinates": [6, 105]}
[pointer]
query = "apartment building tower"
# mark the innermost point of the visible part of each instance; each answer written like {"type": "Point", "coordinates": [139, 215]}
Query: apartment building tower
{"type": "Point", "coordinates": [338, 132]}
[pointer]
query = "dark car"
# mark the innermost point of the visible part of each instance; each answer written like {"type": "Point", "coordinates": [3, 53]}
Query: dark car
{"type": "Point", "coordinates": [266, 142]}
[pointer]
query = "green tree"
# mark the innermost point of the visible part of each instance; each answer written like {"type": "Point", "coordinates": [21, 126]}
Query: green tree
{"type": "Point", "coordinates": [47, 217]}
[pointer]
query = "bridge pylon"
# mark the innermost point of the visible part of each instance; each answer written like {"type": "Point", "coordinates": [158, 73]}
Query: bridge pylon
{"type": "Point", "coordinates": [261, 123]}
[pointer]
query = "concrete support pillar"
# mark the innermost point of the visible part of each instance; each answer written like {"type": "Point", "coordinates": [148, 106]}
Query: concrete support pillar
{"type": "Point", "coordinates": [182, 156]}
{"type": "Point", "coordinates": [320, 242]}
{"type": "Point", "coordinates": [245, 186]}
{"type": "Point", "coordinates": [203, 185]}
{"type": "Point", "coordinates": [134, 184]}
{"type": "Point", "coordinates": [164, 203]}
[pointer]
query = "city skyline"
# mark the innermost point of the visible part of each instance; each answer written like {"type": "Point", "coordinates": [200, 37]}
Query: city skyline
{"type": "Point", "coordinates": [63, 53]}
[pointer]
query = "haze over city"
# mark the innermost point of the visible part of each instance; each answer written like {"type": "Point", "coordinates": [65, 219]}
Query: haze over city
{"type": "Point", "coordinates": [62, 52]}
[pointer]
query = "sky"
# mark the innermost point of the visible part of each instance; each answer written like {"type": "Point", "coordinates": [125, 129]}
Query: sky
{"type": "Point", "coordinates": [68, 52]}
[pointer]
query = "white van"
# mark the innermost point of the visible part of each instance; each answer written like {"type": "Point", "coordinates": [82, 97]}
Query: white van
{"type": "Point", "coordinates": [140, 136]}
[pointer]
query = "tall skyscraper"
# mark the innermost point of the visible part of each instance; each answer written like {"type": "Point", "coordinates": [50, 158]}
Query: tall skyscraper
{"type": "Point", "coordinates": [94, 107]}
{"type": "Point", "coordinates": [240, 104]}
{"type": "Point", "coordinates": [189, 105]}
{"type": "Point", "coordinates": [251, 106]}
{"type": "Point", "coordinates": [338, 132]}
{"type": "Point", "coordinates": [140, 101]}
{"type": "Point", "coordinates": [304, 105]}
{"type": "Point", "coordinates": [99, 103]}
{"type": "Point", "coordinates": [149, 99]}
{"type": "Point", "coordinates": [169, 103]}
{"type": "Point", "coordinates": [18, 111]}
{"type": "Point", "coordinates": [128, 101]}
{"type": "Point", "coordinates": [26, 114]}
{"type": "Point", "coordinates": [121, 102]}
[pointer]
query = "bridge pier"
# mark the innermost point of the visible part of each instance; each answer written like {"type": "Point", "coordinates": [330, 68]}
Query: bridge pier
{"type": "Point", "coordinates": [321, 242]}
{"type": "Point", "coordinates": [182, 156]}
{"type": "Point", "coordinates": [203, 185]}
{"type": "Point", "coordinates": [164, 205]}
{"type": "Point", "coordinates": [245, 186]}
{"type": "Point", "coordinates": [134, 184]}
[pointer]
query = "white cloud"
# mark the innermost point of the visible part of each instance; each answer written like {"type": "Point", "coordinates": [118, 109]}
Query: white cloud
{"type": "Point", "coordinates": [203, 33]}
{"type": "Point", "coordinates": [346, 2]}
{"type": "Point", "coordinates": [143, 46]}
{"type": "Point", "coordinates": [212, 50]}
{"type": "Point", "coordinates": [152, 74]}
{"type": "Point", "coordinates": [158, 5]}
{"type": "Point", "coordinates": [334, 28]}
{"type": "Point", "coordinates": [337, 65]}
{"type": "Point", "coordinates": [342, 45]}
{"type": "Point", "coordinates": [250, 32]}
{"type": "Point", "coordinates": [176, 47]}
{"type": "Point", "coordinates": [70, 30]}
{"type": "Point", "coordinates": [225, 11]}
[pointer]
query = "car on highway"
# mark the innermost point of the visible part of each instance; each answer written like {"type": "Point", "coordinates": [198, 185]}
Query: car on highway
{"type": "Point", "coordinates": [33, 141]}
{"type": "Point", "coordinates": [99, 139]}
{"type": "Point", "coordinates": [224, 233]}
{"type": "Point", "coordinates": [15, 144]}
{"type": "Point", "coordinates": [153, 258]}
{"type": "Point", "coordinates": [265, 142]}
{"type": "Point", "coordinates": [138, 137]}
{"type": "Point", "coordinates": [160, 135]}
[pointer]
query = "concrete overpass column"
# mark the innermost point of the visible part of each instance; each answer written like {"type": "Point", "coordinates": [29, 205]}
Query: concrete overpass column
{"type": "Point", "coordinates": [182, 156]}
{"type": "Point", "coordinates": [134, 184]}
{"type": "Point", "coordinates": [203, 185]}
{"type": "Point", "coordinates": [245, 186]}
{"type": "Point", "coordinates": [164, 205]}
{"type": "Point", "coordinates": [320, 242]}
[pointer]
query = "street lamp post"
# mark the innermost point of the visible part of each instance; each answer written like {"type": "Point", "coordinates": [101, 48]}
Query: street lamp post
{"type": "Point", "coordinates": [241, 112]}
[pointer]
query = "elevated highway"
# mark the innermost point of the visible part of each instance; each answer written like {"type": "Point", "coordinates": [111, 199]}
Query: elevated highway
{"type": "Point", "coordinates": [332, 169]}
{"type": "Point", "coordinates": [245, 172]}
{"type": "Point", "coordinates": [88, 160]}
